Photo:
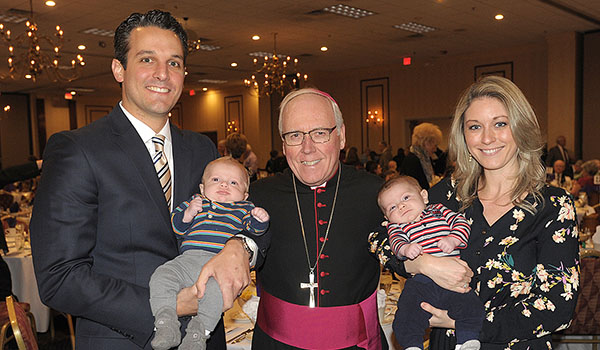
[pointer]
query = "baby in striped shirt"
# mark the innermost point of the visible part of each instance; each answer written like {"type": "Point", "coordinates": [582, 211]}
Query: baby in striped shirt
{"type": "Point", "coordinates": [202, 224]}
{"type": "Point", "coordinates": [414, 228]}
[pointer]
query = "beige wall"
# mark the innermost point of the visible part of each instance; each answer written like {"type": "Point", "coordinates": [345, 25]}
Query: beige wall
{"type": "Point", "coordinates": [562, 88]}
{"type": "Point", "coordinates": [591, 96]}
{"type": "Point", "coordinates": [14, 138]}
{"type": "Point", "coordinates": [544, 71]}
{"type": "Point", "coordinates": [206, 112]}
{"type": "Point", "coordinates": [430, 91]}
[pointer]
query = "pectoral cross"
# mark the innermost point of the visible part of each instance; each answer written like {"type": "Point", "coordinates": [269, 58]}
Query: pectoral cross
{"type": "Point", "coordinates": [311, 285]}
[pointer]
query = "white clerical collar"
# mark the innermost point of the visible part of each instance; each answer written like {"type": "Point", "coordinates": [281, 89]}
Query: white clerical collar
{"type": "Point", "coordinates": [324, 184]}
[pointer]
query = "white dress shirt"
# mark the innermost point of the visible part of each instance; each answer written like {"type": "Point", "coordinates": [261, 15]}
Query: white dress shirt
{"type": "Point", "coordinates": [146, 133]}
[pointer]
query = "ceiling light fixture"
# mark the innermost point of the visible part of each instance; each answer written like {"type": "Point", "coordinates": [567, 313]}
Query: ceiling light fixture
{"type": "Point", "coordinates": [271, 76]}
{"type": "Point", "coordinates": [197, 45]}
{"type": "Point", "coordinates": [98, 31]}
{"type": "Point", "coordinates": [348, 11]}
{"type": "Point", "coordinates": [34, 62]}
{"type": "Point", "coordinates": [234, 64]}
{"type": "Point", "coordinates": [324, 48]}
{"type": "Point", "coordinates": [50, 3]}
{"type": "Point", "coordinates": [415, 27]}
{"type": "Point", "coordinates": [255, 37]}
{"type": "Point", "coordinates": [499, 17]}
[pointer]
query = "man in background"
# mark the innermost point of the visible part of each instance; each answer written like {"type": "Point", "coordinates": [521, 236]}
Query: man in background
{"type": "Point", "coordinates": [560, 152]}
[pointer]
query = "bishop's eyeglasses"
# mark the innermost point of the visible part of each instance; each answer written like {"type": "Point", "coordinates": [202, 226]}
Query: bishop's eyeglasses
{"type": "Point", "coordinates": [318, 135]}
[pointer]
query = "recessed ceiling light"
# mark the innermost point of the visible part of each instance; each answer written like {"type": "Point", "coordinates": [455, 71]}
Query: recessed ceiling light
{"type": "Point", "coordinates": [73, 93]}
{"type": "Point", "coordinates": [204, 89]}
{"type": "Point", "coordinates": [234, 64]}
{"type": "Point", "coordinates": [81, 47]}
{"type": "Point", "coordinates": [205, 47]}
{"type": "Point", "coordinates": [12, 19]}
{"type": "Point", "coordinates": [324, 48]}
{"type": "Point", "coordinates": [415, 27]}
{"type": "Point", "coordinates": [212, 81]}
{"type": "Point", "coordinates": [255, 37]}
{"type": "Point", "coordinates": [499, 17]}
{"type": "Point", "coordinates": [50, 3]}
{"type": "Point", "coordinates": [97, 31]}
{"type": "Point", "coordinates": [348, 11]}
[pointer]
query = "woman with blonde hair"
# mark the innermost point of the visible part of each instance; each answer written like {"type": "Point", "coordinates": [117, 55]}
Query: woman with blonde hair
{"type": "Point", "coordinates": [425, 139]}
{"type": "Point", "coordinates": [523, 248]}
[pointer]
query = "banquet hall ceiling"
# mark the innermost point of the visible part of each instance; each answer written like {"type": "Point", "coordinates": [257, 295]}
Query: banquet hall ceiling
{"type": "Point", "coordinates": [302, 27]}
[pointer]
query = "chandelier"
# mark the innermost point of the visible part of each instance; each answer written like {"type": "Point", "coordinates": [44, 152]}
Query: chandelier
{"type": "Point", "coordinates": [32, 61]}
{"type": "Point", "coordinates": [271, 76]}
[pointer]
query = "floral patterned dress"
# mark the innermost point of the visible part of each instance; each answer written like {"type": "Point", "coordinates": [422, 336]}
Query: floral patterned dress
{"type": "Point", "coordinates": [526, 270]}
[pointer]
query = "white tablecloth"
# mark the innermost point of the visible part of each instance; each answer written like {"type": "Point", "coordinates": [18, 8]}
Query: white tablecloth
{"type": "Point", "coordinates": [236, 324]}
{"type": "Point", "coordinates": [25, 288]}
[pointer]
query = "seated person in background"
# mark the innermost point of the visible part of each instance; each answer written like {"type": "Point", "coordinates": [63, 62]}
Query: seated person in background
{"type": "Point", "coordinates": [415, 228]}
{"type": "Point", "coordinates": [222, 148]}
{"type": "Point", "coordinates": [558, 178]}
{"type": "Point", "coordinates": [586, 181]}
{"type": "Point", "coordinates": [203, 224]}
{"type": "Point", "coordinates": [276, 164]}
{"type": "Point", "coordinates": [238, 148]}
{"type": "Point", "coordinates": [250, 161]}
{"type": "Point", "coordinates": [271, 163]}
{"type": "Point", "coordinates": [373, 167]}
{"type": "Point", "coordinates": [577, 169]}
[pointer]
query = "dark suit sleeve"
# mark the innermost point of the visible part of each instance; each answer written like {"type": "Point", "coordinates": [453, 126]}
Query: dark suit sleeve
{"type": "Point", "coordinates": [64, 237]}
{"type": "Point", "coordinates": [18, 173]}
{"type": "Point", "coordinates": [411, 166]}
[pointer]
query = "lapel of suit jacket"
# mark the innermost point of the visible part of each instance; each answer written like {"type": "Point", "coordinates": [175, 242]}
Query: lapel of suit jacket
{"type": "Point", "coordinates": [132, 145]}
{"type": "Point", "coordinates": [182, 163]}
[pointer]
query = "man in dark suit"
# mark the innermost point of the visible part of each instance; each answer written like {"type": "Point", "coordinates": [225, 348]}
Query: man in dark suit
{"type": "Point", "coordinates": [101, 222]}
{"type": "Point", "coordinates": [560, 152]}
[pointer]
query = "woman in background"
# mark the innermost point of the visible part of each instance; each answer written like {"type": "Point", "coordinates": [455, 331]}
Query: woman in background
{"type": "Point", "coordinates": [425, 139]}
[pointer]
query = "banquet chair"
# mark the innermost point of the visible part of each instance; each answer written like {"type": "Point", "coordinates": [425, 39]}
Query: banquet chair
{"type": "Point", "coordinates": [588, 227]}
{"type": "Point", "coordinates": [586, 319]}
{"type": "Point", "coordinates": [70, 324]}
{"type": "Point", "coordinates": [22, 324]}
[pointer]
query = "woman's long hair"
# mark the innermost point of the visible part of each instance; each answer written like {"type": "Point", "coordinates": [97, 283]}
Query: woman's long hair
{"type": "Point", "coordinates": [530, 177]}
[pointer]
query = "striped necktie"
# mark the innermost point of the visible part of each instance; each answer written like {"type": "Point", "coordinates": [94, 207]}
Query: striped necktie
{"type": "Point", "coordinates": [162, 166]}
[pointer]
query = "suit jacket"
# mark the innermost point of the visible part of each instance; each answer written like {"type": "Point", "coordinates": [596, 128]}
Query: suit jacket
{"type": "Point", "coordinates": [554, 154]}
{"type": "Point", "coordinates": [101, 226]}
{"type": "Point", "coordinates": [411, 166]}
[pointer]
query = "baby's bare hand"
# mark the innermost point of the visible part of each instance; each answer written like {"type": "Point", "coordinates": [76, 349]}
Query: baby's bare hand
{"type": "Point", "coordinates": [194, 208]}
{"type": "Point", "coordinates": [411, 250]}
{"type": "Point", "coordinates": [260, 214]}
{"type": "Point", "coordinates": [448, 244]}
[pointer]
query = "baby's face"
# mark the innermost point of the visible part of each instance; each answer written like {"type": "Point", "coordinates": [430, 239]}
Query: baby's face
{"type": "Point", "coordinates": [402, 203]}
{"type": "Point", "coordinates": [224, 182]}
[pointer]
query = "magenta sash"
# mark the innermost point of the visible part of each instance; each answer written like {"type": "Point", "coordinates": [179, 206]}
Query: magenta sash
{"type": "Point", "coordinates": [320, 328]}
